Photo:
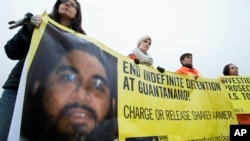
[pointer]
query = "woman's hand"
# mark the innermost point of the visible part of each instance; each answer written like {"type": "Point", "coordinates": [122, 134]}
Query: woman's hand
{"type": "Point", "coordinates": [36, 21]}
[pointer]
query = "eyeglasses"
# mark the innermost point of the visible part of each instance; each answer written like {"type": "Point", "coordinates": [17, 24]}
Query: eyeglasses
{"type": "Point", "coordinates": [66, 79]}
{"type": "Point", "coordinates": [71, 3]}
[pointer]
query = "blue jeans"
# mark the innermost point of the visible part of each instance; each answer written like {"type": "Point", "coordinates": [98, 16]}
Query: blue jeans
{"type": "Point", "coordinates": [7, 104]}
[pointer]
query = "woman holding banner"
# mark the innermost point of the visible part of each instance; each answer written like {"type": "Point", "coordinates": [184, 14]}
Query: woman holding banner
{"type": "Point", "coordinates": [140, 54]}
{"type": "Point", "coordinates": [65, 12]}
{"type": "Point", "coordinates": [232, 70]}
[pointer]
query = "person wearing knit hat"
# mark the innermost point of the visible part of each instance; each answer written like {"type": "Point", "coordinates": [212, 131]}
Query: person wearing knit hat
{"type": "Point", "coordinates": [140, 53]}
{"type": "Point", "coordinates": [187, 68]}
{"type": "Point", "coordinates": [143, 38]}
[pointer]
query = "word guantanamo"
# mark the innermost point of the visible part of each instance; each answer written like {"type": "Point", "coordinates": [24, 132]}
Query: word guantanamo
{"type": "Point", "coordinates": [163, 85]}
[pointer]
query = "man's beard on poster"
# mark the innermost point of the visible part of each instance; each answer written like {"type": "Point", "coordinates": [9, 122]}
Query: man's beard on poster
{"type": "Point", "coordinates": [78, 132]}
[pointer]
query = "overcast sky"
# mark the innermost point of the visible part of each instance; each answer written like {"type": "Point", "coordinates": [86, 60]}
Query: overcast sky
{"type": "Point", "coordinates": [217, 32]}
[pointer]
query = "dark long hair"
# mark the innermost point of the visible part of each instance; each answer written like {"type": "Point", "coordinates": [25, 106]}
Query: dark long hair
{"type": "Point", "coordinates": [77, 21]}
{"type": "Point", "coordinates": [226, 69]}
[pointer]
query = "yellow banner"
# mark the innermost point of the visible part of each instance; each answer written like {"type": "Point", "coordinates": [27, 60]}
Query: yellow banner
{"type": "Point", "coordinates": [78, 88]}
{"type": "Point", "coordinates": [238, 90]}
{"type": "Point", "coordinates": [167, 106]}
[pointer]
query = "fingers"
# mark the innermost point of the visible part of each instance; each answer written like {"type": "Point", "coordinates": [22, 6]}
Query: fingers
{"type": "Point", "coordinates": [160, 69]}
{"type": "Point", "coordinates": [223, 80]}
{"type": "Point", "coordinates": [11, 22]}
{"type": "Point", "coordinates": [196, 77]}
{"type": "Point", "coordinates": [137, 61]}
{"type": "Point", "coordinates": [36, 21]}
{"type": "Point", "coordinates": [39, 22]}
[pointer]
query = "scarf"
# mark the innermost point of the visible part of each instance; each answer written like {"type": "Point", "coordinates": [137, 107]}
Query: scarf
{"type": "Point", "coordinates": [144, 58]}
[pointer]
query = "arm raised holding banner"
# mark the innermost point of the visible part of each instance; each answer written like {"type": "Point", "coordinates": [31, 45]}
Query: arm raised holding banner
{"type": "Point", "coordinates": [16, 49]}
{"type": "Point", "coordinates": [65, 12]}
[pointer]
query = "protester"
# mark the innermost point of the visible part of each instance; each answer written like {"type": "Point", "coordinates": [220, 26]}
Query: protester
{"type": "Point", "coordinates": [187, 68]}
{"type": "Point", "coordinates": [232, 70]}
{"type": "Point", "coordinates": [65, 12]}
{"type": "Point", "coordinates": [72, 97]}
{"type": "Point", "coordinates": [140, 53]}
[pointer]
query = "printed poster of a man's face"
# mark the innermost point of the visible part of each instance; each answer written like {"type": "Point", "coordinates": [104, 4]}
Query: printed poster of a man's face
{"type": "Point", "coordinates": [70, 90]}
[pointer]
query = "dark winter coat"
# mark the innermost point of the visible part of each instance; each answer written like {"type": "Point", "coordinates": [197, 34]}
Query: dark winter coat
{"type": "Point", "coordinates": [17, 49]}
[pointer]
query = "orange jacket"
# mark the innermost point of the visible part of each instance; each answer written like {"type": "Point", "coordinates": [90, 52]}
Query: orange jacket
{"type": "Point", "coordinates": [243, 119]}
{"type": "Point", "coordinates": [187, 71]}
